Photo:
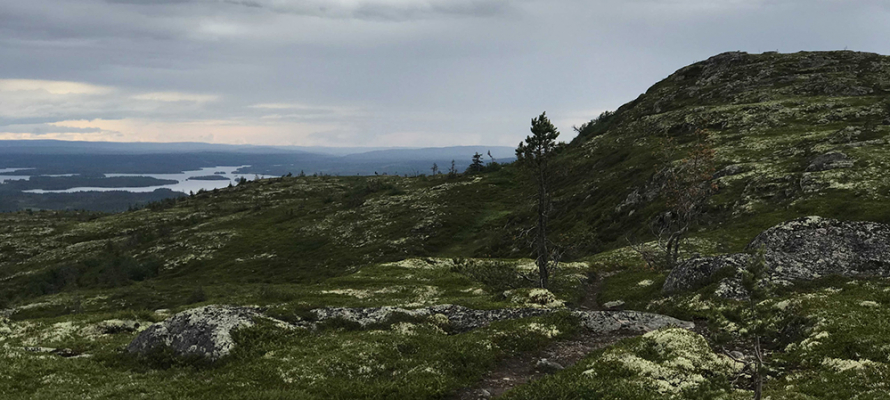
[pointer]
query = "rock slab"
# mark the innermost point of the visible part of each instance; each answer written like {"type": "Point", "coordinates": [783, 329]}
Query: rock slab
{"type": "Point", "coordinates": [799, 250]}
{"type": "Point", "coordinates": [627, 321]}
{"type": "Point", "coordinates": [204, 332]}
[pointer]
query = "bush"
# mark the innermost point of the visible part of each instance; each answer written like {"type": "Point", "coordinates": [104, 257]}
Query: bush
{"type": "Point", "coordinates": [596, 126]}
{"type": "Point", "coordinates": [197, 296]}
{"type": "Point", "coordinates": [109, 271]}
{"type": "Point", "coordinates": [497, 276]}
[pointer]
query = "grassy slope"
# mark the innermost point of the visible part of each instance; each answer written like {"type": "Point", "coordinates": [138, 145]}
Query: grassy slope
{"type": "Point", "coordinates": [297, 243]}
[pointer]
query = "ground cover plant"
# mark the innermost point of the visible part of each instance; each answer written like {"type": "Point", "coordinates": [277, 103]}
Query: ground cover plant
{"type": "Point", "coordinates": [76, 287]}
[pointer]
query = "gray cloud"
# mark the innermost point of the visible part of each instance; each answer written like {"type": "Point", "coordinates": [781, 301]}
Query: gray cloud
{"type": "Point", "coordinates": [383, 72]}
{"type": "Point", "coordinates": [43, 129]}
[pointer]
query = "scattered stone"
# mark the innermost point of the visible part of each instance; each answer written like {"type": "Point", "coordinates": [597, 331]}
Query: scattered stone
{"type": "Point", "coordinates": [113, 326]}
{"type": "Point", "coordinates": [614, 304]}
{"type": "Point", "coordinates": [462, 319]}
{"type": "Point", "coordinates": [459, 318]}
{"type": "Point", "coordinates": [204, 332]}
{"type": "Point", "coordinates": [737, 355]}
{"type": "Point", "coordinates": [484, 394]}
{"type": "Point", "coordinates": [546, 366]}
{"type": "Point", "coordinates": [829, 161]}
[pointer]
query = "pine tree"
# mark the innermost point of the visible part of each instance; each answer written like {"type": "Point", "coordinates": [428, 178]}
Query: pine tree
{"type": "Point", "coordinates": [534, 156]}
{"type": "Point", "coordinates": [476, 166]}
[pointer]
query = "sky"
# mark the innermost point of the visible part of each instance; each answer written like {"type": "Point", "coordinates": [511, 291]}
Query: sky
{"type": "Point", "coordinates": [418, 73]}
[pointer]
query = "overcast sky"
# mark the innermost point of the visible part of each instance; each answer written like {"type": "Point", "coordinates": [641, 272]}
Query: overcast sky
{"type": "Point", "coordinates": [373, 72]}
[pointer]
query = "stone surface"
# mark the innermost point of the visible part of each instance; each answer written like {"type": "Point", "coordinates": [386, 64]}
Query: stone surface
{"type": "Point", "coordinates": [204, 332]}
{"type": "Point", "coordinates": [459, 318]}
{"type": "Point", "coordinates": [112, 326]}
{"type": "Point", "coordinates": [813, 247]}
{"type": "Point", "coordinates": [547, 366]}
{"type": "Point", "coordinates": [802, 249]}
{"type": "Point", "coordinates": [829, 161]}
{"type": "Point", "coordinates": [627, 321]}
{"type": "Point", "coordinates": [614, 304]}
{"type": "Point", "coordinates": [732, 170]}
{"type": "Point", "coordinates": [463, 319]}
{"type": "Point", "coordinates": [693, 273]}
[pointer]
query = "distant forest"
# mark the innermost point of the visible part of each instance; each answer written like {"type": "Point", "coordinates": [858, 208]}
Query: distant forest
{"type": "Point", "coordinates": [115, 201]}
{"type": "Point", "coordinates": [90, 161]}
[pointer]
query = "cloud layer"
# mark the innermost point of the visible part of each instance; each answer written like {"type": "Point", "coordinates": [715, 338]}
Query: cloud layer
{"type": "Point", "coordinates": [373, 72]}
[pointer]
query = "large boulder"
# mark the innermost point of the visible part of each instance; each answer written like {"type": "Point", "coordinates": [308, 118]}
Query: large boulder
{"type": "Point", "coordinates": [693, 273]}
{"type": "Point", "coordinates": [813, 247]}
{"type": "Point", "coordinates": [203, 332]}
{"type": "Point", "coordinates": [803, 249]}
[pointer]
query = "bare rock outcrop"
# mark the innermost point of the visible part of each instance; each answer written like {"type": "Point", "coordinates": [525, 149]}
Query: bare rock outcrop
{"type": "Point", "coordinates": [692, 273]}
{"type": "Point", "coordinates": [462, 319]}
{"type": "Point", "coordinates": [206, 332]}
{"type": "Point", "coordinates": [813, 247]}
{"type": "Point", "coordinates": [803, 249]}
{"type": "Point", "coordinates": [203, 332]}
{"type": "Point", "coordinates": [627, 321]}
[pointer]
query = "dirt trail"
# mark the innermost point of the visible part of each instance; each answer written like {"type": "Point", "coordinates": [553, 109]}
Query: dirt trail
{"type": "Point", "coordinates": [522, 368]}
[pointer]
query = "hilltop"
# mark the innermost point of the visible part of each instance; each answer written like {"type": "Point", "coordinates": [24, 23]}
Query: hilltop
{"type": "Point", "coordinates": [795, 135]}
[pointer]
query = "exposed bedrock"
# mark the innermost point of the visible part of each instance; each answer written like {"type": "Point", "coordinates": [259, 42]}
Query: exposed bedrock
{"type": "Point", "coordinates": [803, 249]}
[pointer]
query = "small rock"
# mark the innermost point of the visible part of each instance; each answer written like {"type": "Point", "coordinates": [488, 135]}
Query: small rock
{"type": "Point", "coordinates": [731, 170]}
{"type": "Point", "coordinates": [66, 353]}
{"type": "Point", "coordinates": [810, 184]}
{"type": "Point", "coordinates": [113, 326]}
{"type": "Point", "coordinates": [34, 349]}
{"type": "Point", "coordinates": [695, 272]}
{"type": "Point", "coordinates": [614, 304]}
{"type": "Point", "coordinates": [547, 366]}
{"type": "Point", "coordinates": [483, 394]}
{"type": "Point", "coordinates": [737, 355]}
{"type": "Point", "coordinates": [829, 161]}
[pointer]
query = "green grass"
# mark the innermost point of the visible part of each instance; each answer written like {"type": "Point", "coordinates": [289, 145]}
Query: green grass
{"type": "Point", "coordinates": [406, 360]}
{"type": "Point", "coordinates": [295, 243]}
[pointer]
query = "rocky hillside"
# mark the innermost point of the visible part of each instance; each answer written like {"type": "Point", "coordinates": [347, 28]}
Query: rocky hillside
{"type": "Point", "coordinates": [795, 135]}
{"type": "Point", "coordinates": [389, 287]}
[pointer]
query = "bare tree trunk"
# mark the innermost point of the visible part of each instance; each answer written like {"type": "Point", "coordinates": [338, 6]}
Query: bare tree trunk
{"type": "Point", "coordinates": [758, 373]}
{"type": "Point", "coordinates": [541, 237]}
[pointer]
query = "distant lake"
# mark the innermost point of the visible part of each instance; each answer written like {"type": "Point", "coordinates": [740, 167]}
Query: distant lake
{"type": "Point", "coordinates": [4, 178]}
{"type": "Point", "coordinates": [184, 185]}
